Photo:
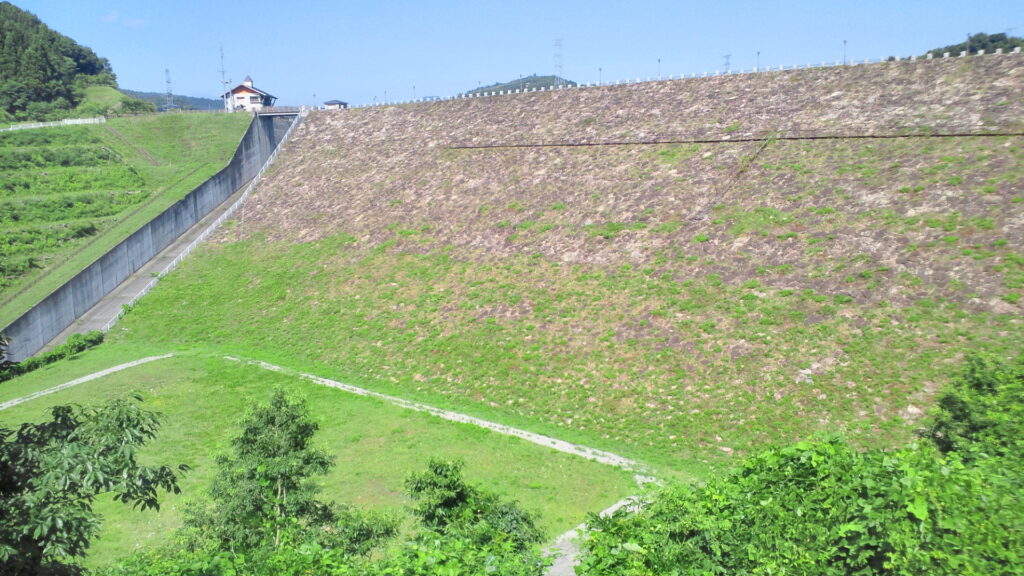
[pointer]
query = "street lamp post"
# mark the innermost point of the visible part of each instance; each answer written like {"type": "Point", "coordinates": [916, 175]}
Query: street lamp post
{"type": "Point", "coordinates": [844, 52]}
{"type": "Point", "coordinates": [599, 76]}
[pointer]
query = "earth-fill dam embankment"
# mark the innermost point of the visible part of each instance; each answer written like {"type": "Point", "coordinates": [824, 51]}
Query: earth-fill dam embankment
{"type": "Point", "coordinates": [657, 265]}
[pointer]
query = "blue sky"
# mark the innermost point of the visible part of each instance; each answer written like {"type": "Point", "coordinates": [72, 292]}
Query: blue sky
{"type": "Point", "coordinates": [311, 51]}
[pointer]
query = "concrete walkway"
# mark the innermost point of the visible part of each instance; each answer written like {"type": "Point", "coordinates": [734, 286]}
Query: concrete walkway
{"type": "Point", "coordinates": [106, 311]}
{"type": "Point", "coordinates": [82, 380]}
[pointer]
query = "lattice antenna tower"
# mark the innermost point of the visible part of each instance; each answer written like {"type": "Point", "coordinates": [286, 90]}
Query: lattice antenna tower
{"type": "Point", "coordinates": [169, 103]}
{"type": "Point", "coordinates": [224, 80]}
{"type": "Point", "coordinates": [727, 56]}
{"type": "Point", "coordinates": [558, 62]}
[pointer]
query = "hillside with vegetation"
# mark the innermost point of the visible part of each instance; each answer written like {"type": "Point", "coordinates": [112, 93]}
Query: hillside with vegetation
{"type": "Point", "coordinates": [68, 194]}
{"type": "Point", "coordinates": [679, 271]}
{"type": "Point", "coordinates": [764, 281]}
{"type": "Point", "coordinates": [45, 75]}
{"type": "Point", "coordinates": [531, 82]}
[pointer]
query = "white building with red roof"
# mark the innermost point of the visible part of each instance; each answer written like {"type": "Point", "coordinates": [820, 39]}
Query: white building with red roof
{"type": "Point", "coordinates": [247, 97]}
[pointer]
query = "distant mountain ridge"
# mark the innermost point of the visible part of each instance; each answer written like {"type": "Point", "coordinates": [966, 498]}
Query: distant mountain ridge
{"type": "Point", "coordinates": [525, 83]}
{"type": "Point", "coordinates": [180, 102]}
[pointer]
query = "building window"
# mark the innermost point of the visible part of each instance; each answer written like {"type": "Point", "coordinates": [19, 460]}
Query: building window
{"type": "Point", "coordinates": [254, 99]}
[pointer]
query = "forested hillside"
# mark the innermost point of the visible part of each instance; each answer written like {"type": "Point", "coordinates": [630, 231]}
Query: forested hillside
{"type": "Point", "coordinates": [44, 74]}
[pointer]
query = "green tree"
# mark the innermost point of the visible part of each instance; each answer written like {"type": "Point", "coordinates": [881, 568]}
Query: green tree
{"type": "Point", "coordinates": [264, 494]}
{"type": "Point", "coordinates": [467, 530]}
{"type": "Point", "coordinates": [982, 41]}
{"type": "Point", "coordinates": [52, 472]}
{"type": "Point", "coordinates": [43, 73]}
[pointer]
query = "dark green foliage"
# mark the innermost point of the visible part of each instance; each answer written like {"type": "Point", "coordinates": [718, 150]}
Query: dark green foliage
{"type": "Point", "coordinates": [983, 412]}
{"type": "Point", "coordinates": [136, 106]}
{"type": "Point", "coordinates": [447, 504]}
{"type": "Point", "coordinates": [981, 41]}
{"type": "Point", "coordinates": [57, 180]}
{"type": "Point", "coordinates": [43, 157]}
{"type": "Point", "coordinates": [43, 74]}
{"type": "Point", "coordinates": [464, 530]}
{"type": "Point", "coordinates": [67, 207]}
{"type": "Point", "coordinates": [265, 488]}
{"type": "Point", "coordinates": [75, 343]}
{"type": "Point", "coordinates": [825, 508]}
{"type": "Point", "coordinates": [46, 137]}
{"type": "Point", "coordinates": [51, 473]}
{"type": "Point", "coordinates": [4, 343]}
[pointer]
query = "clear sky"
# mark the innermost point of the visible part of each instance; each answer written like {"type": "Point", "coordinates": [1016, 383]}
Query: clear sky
{"type": "Point", "coordinates": [310, 51]}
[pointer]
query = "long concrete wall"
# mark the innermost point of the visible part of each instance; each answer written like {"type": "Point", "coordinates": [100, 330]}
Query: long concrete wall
{"type": "Point", "coordinates": [46, 320]}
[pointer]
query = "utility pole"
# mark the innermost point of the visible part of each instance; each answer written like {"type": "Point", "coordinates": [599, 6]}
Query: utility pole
{"type": "Point", "coordinates": [559, 71]}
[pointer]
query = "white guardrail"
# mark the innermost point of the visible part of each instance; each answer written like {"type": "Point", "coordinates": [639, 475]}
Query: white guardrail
{"type": "Point", "coordinates": [758, 70]}
{"type": "Point", "coordinates": [209, 229]}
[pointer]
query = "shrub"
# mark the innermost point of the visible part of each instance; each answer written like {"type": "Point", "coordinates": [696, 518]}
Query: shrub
{"type": "Point", "coordinates": [76, 343]}
{"type": "Point", "coordinates": [824, 508]}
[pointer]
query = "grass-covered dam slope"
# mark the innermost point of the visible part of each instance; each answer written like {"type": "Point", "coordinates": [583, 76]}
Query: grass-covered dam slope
{"type": "Point", "coordinates": [674, 302]}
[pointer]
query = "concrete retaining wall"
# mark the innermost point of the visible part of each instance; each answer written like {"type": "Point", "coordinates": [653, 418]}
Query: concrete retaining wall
{"type": "Point", "coordinates": [46, 320]}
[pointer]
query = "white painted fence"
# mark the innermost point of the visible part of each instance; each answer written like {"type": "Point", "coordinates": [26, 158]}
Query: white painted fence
{"type": "Point", "coordinates": [66, 122]}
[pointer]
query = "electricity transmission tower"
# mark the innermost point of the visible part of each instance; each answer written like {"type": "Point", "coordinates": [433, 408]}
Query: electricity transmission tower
{"type": "Point", "coordinates": [169, 103]}
{"type": "Point", "coordinates": [224, 81]}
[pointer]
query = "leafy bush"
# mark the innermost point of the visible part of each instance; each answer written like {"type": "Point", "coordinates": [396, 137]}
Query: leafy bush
{"type": "Point", "coordinates": [463, 531]}
{"type": "Point", "coordinates": [824, 508]}
{"type": "Point", "coordinates": [75, 343]}
{"type": "Point", "coordinates": [448, 505]}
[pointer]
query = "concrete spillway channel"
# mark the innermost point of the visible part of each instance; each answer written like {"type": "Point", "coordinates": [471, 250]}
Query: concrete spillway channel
{"type": "Point", "coordinates": [95, 297]}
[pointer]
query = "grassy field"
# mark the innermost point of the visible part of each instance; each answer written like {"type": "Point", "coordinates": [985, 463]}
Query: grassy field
{"type": "Point", "coordinates": [377, 445]}
{"type": "Point", "coordinates": [69, 194]}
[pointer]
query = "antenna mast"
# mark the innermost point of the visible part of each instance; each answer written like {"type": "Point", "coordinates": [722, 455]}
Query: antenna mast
{"type": "Point", "coordinates": [558, 62]}
{"type": "Point", "coordinates": [224, 81]}
{"type": "Point", "coordinates": [170, 95]}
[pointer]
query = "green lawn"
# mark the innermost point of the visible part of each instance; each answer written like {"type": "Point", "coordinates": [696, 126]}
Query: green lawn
{"type": "Point", "coordinates": [377, 445]}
